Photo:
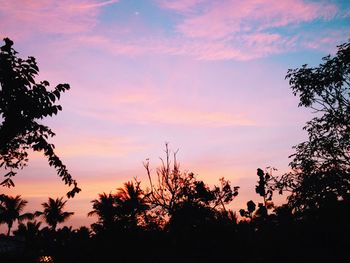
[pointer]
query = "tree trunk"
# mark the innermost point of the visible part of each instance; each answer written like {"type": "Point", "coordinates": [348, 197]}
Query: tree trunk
{"type": "Point", "coordinates": [9, 229]}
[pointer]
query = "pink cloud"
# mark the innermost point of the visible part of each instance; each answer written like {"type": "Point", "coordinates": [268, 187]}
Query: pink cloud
{"type": "Point", "coordinates": [160, 114]}
{"type": "Point", "coordinates": [116, 47]}
{"type": "Point", "coordinates": [95, 146]}
{"type": "Point", "coordinates": [179, 5]}
{"type": "Point", "coordinates": [209, 30]}
{"type": "Point", "coordinates": [148, 101]}
{"type": "Point", "coordinates": [21, 18]}
{"type": "Point", "coordinates": [241, 47]}
{"type": "Point", "coordinates": [262, 38]}
{"type": "Point", "coordinates": [96, 4]}
{"type": "Point", "coordinates": [225, 18]}
{"type": "Point", "coordinates": [246, 47]}
{"type": "Point", "coordinates": [197, 118]}
{"type": "Point", "coordinates": [225, 30]}
{"type": "Point", "coordinates": [327, 40]}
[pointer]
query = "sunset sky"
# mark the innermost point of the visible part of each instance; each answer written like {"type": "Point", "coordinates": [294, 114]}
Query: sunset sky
{"type": "Point", "coordinates": [206, 76]}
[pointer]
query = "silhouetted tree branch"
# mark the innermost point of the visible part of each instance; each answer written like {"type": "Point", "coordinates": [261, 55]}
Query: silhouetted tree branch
{"type": "Point", "coordinates": [173, 189]}
{"type": "Point", "coordinates": [321, 165]}
{"type": "Point", "coordinates": [23, 102]}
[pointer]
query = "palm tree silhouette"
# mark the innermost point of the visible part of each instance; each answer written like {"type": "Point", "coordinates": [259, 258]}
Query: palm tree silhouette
{"type": "Point", "coordinates": [10, 210]}
{"type": "Point", "coordinates": [130, 203]}
{"type": "Point", "coordinates": [30, 232]}
{"type": "Point", "coordinates": [104, 208]}
{"type": "Point", "coordinates": [53, 213]}
{"type": "Point", "coordinates": [124, 207]}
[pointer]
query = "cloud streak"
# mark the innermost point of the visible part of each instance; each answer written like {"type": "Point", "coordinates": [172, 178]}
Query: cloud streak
{"type": "Point", "coordinates": [94, 146]}
{"type": "Point", "coordinates": [204, 30]}
{"type": "Point", "coordinates": [170, 116]}
{"type": "Point", "coordinates": [179, 6]}
{"type": "Point", "coordinates": [224, 30]}
{"type": "Point", "coordinates": [223, 18]}
{"type": "Point", "coordinates": [25, 18]}
{"type": "Point", "coordinates": [96, 4]}
{"type": "Point", "coordinates": [242, 48]}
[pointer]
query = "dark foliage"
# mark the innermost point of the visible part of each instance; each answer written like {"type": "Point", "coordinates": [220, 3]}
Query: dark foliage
{"type": "Point", "coordinates": [123, 210]}
{"type": "Point", "coordinates": [11, 209]}
{"type": "Point", "coordinates": [321, 165]}
{"type": "Point", "coordinates": [23, 103]}
{"type": "Point", "coordinates": [196, 234]}
{"type": "Point", "coordinates": [174, 189]}
{"type": "Point", "coordinates": [53, 213]}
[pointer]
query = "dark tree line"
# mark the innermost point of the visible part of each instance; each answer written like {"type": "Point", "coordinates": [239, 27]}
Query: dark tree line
{"type": "Point", "coordinates": [133, 226]}
{"type": "Point", "coordinates": [179, 218]}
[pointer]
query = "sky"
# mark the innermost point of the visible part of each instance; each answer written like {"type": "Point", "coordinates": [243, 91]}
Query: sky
{"type": "Point", "coordinates": [206, 76]}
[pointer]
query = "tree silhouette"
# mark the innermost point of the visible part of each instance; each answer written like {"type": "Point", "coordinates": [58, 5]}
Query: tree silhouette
{"type": "Point", "coordinates": [31, 234]}
{"type": "Point", "coordinates": [170, 186]}
{"type": "Point", "coordinates": [29, 230]}
{"type": "Point", "coordinates": [104, 208]}
{"type": "Point", "coordinates": [251, 206]}
{"type": "Point", "coordinates": [126, 208]}
{"type": "Point", "coordinates": [321, 165]}
{"type": "Point", "coordinates": [23, 103]}
{"type": "Point", "coordinates": [53, 213]}
{"type": "Point", "coordinates": [175, 190]}
{"type": "Point", "coordinates": [265, 188]}
{"type": "Point", "coordinates": [11, 209]}
{"type": "Point", "coordinates": [82, 233]}
{"type": "Point", "coordinates": [131, 204]}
